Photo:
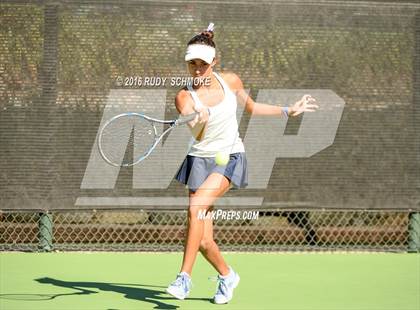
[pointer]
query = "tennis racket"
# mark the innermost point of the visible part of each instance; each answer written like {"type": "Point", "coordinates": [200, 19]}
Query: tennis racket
{"type": "Point", "coordinates": [129, 138]}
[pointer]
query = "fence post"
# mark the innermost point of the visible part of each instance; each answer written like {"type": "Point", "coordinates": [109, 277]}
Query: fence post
{"type": "Point", "coordinates": [45, 232]}
{"type": "Point", "coordinates": [414, 224]}
{"type": "Point", "coordinates": [414, 232]}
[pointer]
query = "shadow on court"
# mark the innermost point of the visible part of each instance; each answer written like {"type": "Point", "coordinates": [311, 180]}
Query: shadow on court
{"type": "Point", "coordinates": [148, 293]}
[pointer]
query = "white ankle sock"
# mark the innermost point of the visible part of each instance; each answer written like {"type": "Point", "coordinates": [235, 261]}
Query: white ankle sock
{"type": "Point", "coordinates": [228, 275]}
{"type": "Point", "coordinates": [186, 274]}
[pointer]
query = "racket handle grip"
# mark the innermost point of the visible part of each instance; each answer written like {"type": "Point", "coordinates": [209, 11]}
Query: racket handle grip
{"type": "Point", "coordinates": [183, 119]}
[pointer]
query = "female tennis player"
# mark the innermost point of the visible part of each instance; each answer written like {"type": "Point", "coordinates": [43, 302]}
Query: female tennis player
{"type": "Point", "coordinates": [215, 130]}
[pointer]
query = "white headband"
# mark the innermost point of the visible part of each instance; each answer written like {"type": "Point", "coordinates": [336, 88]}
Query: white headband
{"type": "Point", "coordinates": [200, 51]}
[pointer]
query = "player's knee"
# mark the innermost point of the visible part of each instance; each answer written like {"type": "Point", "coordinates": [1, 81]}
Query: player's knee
{"type": "Point", "coordinates": [194, 211]}
{"type": "Point", "coordinates": [206, 244]}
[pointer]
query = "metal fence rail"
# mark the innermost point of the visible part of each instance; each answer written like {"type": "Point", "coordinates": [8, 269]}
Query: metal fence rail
{"type": "Point", "coordinates": [154, 230]}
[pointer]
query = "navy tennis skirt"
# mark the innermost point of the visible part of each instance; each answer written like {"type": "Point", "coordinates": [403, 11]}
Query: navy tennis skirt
{"type": "Point", "coordinates": [195, 170]}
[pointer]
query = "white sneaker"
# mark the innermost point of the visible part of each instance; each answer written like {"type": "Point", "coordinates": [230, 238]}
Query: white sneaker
{"type": "Point", "coordinates": [180, 288]}
{"type": "Point", "coordinates": [226, 286]}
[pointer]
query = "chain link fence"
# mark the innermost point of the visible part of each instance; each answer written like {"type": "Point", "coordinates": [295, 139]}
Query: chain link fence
{"type": "Point", "coordinates": [61, 61]}
{"type": "Point", "coordinates": [254, 230]}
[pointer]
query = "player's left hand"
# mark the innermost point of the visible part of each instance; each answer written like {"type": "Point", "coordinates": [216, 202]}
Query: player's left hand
{"type": "Point", "coordinates": [306, 104]}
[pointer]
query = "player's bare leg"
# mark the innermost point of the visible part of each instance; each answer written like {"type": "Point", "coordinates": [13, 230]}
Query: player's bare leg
{"type": "Point", "coordinates": [210, 250]}
{"type": "Point", "coordinates": [214, 186]}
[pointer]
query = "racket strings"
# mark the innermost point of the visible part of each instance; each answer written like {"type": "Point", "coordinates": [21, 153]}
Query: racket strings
{"type": "Point", "coordinates": [126, 139]}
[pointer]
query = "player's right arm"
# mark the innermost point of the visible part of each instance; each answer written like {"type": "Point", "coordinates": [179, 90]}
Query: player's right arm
{"type": "Point", "coordinates": [185, 105]}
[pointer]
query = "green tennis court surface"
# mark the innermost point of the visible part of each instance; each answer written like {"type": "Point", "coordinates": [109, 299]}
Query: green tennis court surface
{"type": "Point", "coordinates": [268, 281]}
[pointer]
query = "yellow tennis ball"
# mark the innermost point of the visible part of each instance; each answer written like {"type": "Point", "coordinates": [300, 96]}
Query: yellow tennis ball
{"type": "Point", "coordinates": [222, 158]}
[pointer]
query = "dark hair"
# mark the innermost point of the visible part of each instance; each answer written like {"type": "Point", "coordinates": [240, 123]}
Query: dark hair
{"type": "Point", "coordinates": [205, 38]}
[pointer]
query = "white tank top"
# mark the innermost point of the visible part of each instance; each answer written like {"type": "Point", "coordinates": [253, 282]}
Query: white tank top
{"type": "Point", "coordinates": [222, 133]}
